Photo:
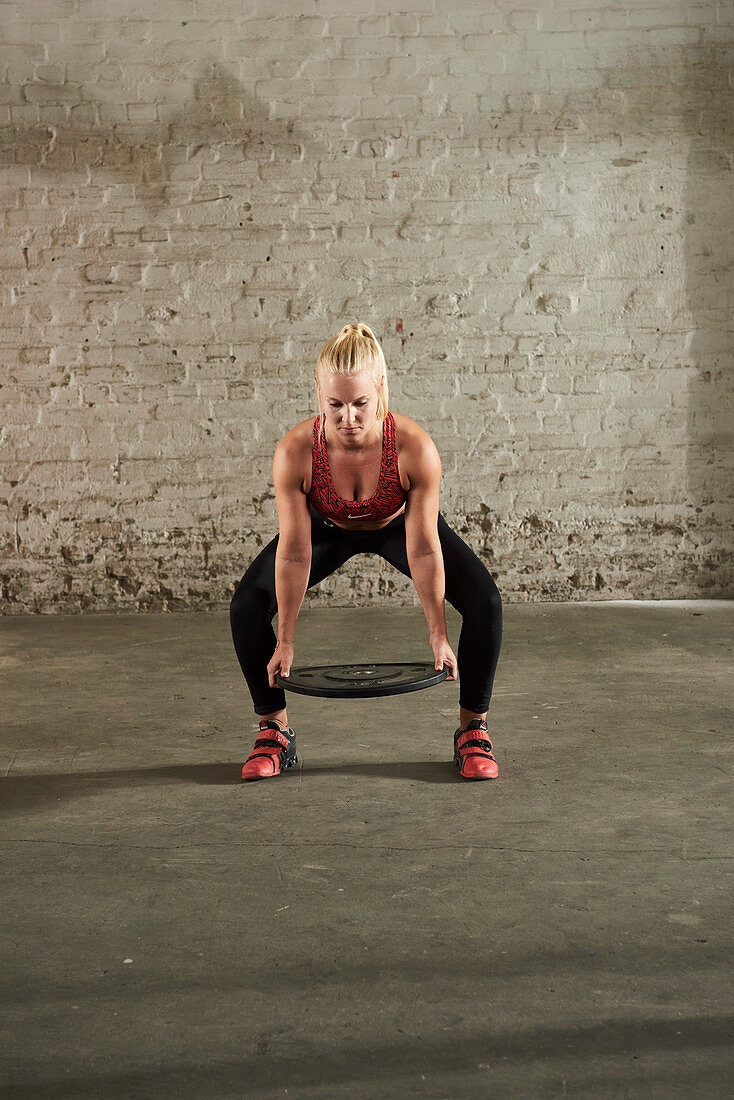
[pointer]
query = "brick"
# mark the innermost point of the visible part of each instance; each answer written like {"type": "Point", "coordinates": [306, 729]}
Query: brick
{"type": "Point", "coordinates": [404, 23]}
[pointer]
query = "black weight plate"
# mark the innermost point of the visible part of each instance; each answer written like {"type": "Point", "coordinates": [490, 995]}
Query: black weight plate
{"type": "Point", "coordinates": [361, 681]}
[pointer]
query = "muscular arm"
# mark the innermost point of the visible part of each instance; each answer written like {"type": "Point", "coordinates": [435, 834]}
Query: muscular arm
{"type": "Point", "coordinates": [293, 553]}
{"type": "Point", "coordinates": [423, 546]}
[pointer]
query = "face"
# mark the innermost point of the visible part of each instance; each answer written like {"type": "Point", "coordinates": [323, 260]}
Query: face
{"type": "Point", "coordinates": [350, 403]}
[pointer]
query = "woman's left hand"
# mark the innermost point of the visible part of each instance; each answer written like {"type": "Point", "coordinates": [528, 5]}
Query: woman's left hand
{"type": "Point", "coordinates": [444, 654]}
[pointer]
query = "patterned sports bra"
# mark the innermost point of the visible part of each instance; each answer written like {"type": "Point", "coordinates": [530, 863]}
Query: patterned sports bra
{"type": "Point", "coordinates": [388, 498]}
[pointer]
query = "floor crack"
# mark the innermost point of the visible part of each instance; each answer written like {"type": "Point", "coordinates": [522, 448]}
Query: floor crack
{"type": "Point", "coordinates": [585, 853]}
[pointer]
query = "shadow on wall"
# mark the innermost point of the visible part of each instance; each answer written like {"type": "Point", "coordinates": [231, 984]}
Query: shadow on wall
{"type": "Point", "coordinates": [205, 160]}
{"type": "Point", "coordinates": [709, 298]}
{"type": "Point", "coordinates": [149, 156]}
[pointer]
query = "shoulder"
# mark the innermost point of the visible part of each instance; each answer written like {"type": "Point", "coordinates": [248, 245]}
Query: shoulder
{"type": "Point", "coordinates": [295, 446]}
{"type": "Point", "coordinates": [418, 453]}
{"type": "Point", "coordinates": [298, 437]}
{"type": "Point", "coordinates": [412, 437]}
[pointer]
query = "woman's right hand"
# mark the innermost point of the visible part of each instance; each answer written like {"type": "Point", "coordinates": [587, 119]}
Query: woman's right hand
{"type": "Point", "coordinates": [280, 662]}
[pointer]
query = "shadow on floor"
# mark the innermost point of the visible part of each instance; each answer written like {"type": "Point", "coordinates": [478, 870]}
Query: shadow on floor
{"type": "Point", "coordinates": [399, 1063]}
{"type": "Point", "coordinates": [23, 792]}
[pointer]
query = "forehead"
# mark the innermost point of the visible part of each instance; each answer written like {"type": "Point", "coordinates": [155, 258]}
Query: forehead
{"type": "Point", "coordinates": [347, 387]}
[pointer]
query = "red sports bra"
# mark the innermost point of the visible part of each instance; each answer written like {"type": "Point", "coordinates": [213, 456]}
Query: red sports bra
{"type": "Point", "coordinates": [389, 496]}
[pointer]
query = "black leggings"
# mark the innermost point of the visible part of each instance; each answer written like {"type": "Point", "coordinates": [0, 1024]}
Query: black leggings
{"type": "Point", "coordinates": [469, 588]}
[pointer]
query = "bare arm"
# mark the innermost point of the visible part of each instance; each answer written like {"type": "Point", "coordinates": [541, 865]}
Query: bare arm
{"type": "Point", "coordinates": [291, 582]}
{"type": "Point", "coordinates": [423, 546]}
{"type": "Point", "coordinates": [293, 552]}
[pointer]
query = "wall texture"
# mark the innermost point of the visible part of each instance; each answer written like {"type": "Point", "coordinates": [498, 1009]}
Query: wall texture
{"type": "Point", "coordinates": [531, 205]}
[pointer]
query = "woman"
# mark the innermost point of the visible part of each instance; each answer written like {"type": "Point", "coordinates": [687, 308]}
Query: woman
{"type": "Point", "coordinates": [360, 479]}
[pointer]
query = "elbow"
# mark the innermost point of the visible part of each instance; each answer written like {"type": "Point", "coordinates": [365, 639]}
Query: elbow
{"type": "Point", "coordinates": [299, 554]}
{"type": "Point", "coordinates": [422, 550]}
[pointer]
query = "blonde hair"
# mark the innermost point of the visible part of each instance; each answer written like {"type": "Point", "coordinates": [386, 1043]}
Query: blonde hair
{"type": "Point", "coordinates": [355, 348]}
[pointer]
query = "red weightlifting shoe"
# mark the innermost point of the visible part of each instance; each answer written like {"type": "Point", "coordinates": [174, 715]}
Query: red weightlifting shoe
{"type": "Point", "coordinates": [274, 749]}
{"type": "Point", "coordinates": [473, 752]}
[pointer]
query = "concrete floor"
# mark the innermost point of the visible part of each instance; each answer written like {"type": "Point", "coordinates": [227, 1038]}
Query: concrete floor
{"type": "Point", "coordinates": [367, 925]}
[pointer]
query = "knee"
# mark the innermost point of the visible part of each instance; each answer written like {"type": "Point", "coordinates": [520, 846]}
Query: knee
{"type": "Point", "coordinates": [486, 603]}
{"type": "Point", "coordinates": [247, 604]}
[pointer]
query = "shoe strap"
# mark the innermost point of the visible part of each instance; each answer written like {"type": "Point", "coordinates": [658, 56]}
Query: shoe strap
{"type": "Point", "coordinates": [485, 746]}
{"type": "Point", "coordinates": [469, 737]}
{"type": "Point", "coordinates": [271, 735]}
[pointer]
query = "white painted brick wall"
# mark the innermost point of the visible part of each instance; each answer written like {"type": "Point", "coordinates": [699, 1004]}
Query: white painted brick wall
{"type": "Point", "coordinates": [530, 205]}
